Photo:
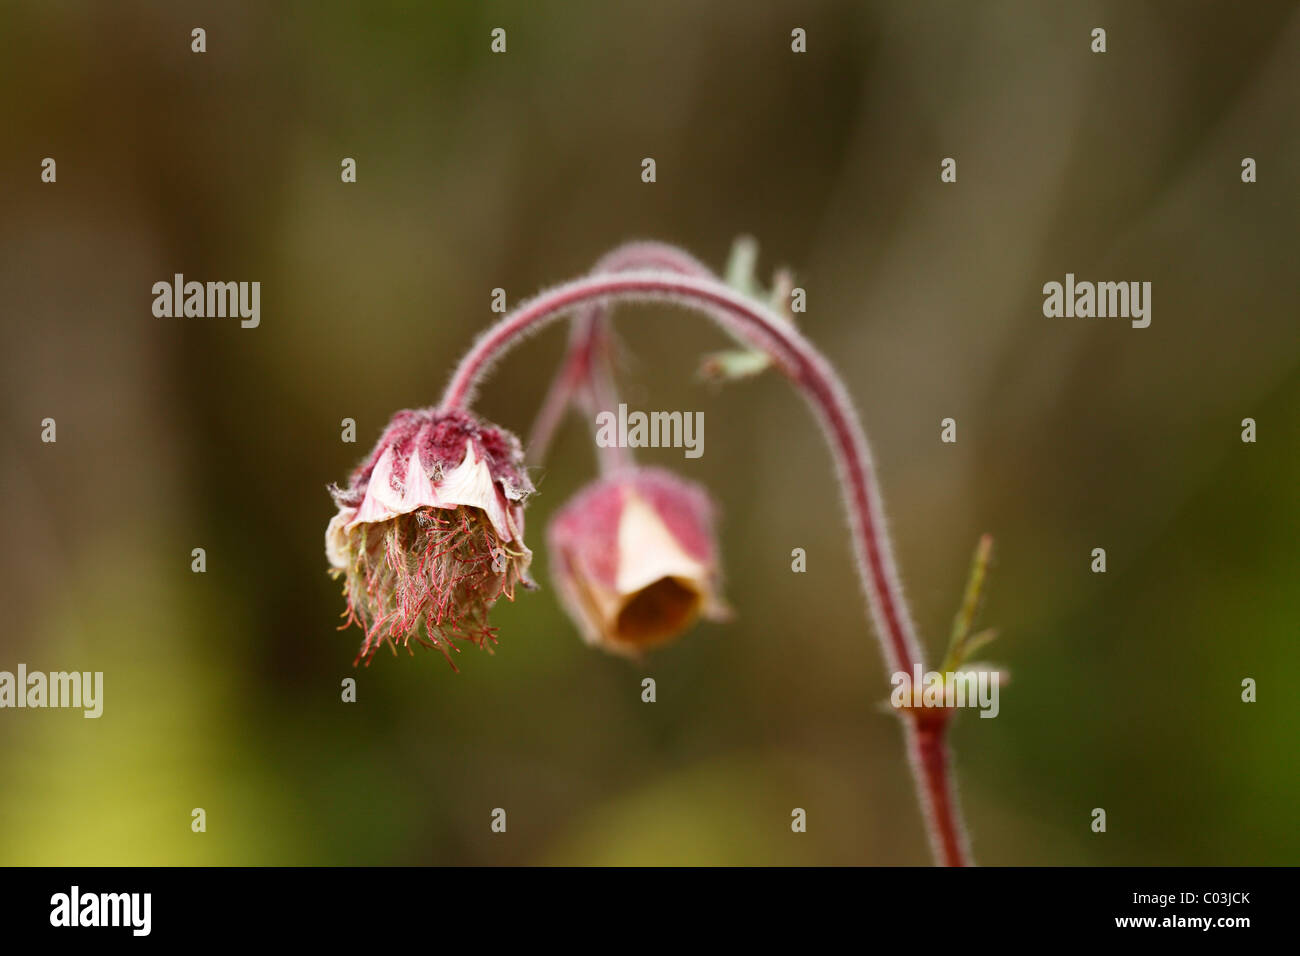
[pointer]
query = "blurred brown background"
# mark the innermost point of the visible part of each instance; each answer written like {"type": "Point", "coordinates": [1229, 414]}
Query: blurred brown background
{"type": "Point", "coordinates": [478, 170]}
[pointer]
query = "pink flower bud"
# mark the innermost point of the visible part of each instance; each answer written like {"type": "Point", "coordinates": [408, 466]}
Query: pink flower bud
{"type": "Point", "coordinates": [430, 531]}
{"type": "Point", "coordinates": [634, 559]}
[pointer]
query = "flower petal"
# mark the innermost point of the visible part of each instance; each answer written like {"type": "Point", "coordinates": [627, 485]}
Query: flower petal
{"type": "Point", "coordinates": [469, 483]}
{"type": "Point", "coordinates": [648, 551]}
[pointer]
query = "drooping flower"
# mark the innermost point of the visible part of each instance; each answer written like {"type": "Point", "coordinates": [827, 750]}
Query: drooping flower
{"type": "Point", "coordinates": [634, 559]}
{"type": "Point", "coordinates": [430, 531]}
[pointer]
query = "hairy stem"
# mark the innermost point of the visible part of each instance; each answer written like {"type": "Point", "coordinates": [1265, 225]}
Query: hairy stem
{"type": "Point", "coordinates": [821, 387]}
{"type": "Point", "coordinates": [586, 374]}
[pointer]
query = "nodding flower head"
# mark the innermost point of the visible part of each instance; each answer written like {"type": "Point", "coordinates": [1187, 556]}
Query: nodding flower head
{"type": "Point", "coordinates": [634, 559]}
{"type": "Point", "coordinates": [430, 531]}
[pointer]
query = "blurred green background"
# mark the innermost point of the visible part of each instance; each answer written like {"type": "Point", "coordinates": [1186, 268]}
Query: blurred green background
{"type": "Point", "coordinates": [475, 170]}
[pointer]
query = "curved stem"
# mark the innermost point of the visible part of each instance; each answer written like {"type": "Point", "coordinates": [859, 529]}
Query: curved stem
{"type": "Point", "coordinates": [821, 387]}
{"type": "Point", "coordinates": [587, 366]}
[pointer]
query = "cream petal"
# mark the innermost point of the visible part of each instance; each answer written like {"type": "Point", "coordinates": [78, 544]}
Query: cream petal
{"type": "Point", "coordinates": [380, 502]}
{"type": "Point", "coordinates": [470, 483]}
{"type": "Point", "coordinates": [336, 542]}
{"type": "Point", "coordinates": [647, 551]}
{"type": "Point", "coordinates": [594, 609]}
{"type": "Point", "coordinates": [418, 491]}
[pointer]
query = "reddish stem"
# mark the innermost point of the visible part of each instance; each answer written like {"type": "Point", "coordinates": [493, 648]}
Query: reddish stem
{"type": "Point", "coordinates": [821, 387]}
{"type": "Point", "coordinates": [587, 370]}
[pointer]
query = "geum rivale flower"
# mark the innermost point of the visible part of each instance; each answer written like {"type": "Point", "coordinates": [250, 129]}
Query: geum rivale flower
{"type": "Point", "coordinates": [634, 559]}
{"type": "Point", "coordinates": [430, 532]}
